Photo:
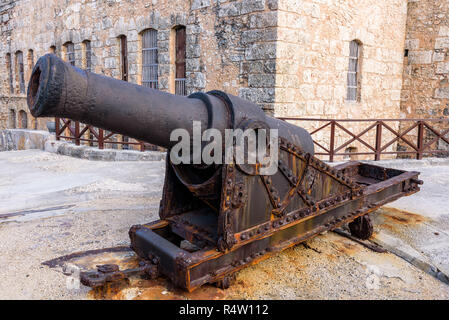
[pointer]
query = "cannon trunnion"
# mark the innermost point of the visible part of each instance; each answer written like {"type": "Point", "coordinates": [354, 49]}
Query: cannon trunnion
{"type": "Point", "coordinates": [220, 218]}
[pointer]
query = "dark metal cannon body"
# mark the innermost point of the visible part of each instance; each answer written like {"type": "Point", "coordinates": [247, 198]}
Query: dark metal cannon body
{"type": "Point", "coordinates": [230, 214]}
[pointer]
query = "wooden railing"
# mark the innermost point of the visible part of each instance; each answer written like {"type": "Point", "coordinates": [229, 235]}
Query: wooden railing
{"type": "Point", "coordinates": [78, 132]}
{"type": "Point", "coordinates": [407, 137]}
{"type": "Point", "coordinates": [401, 137]}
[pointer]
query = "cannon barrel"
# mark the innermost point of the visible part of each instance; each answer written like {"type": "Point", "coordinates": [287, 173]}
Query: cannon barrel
{"type": "Point", "coordinates": [58, 89]}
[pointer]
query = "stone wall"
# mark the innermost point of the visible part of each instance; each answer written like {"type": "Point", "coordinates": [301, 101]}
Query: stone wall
{"type": "Point", "coordinates": [221, 37]}
{"type": "Point", "coordinates": [23, 139]}
{"type": "Point", "coordinates": [426, 67]}
{"type": "Point", "coordinates": [288, 56]}
{"type": "Point", "coordinates": [425, 91]}
{"type": "Point", "coordinates": [313, 60]}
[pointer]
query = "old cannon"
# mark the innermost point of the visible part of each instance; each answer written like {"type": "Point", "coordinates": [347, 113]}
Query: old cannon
{"type": "Point", "coordinates": [231, 215]}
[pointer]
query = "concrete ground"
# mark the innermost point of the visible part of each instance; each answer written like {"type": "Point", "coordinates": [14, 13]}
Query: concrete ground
{"type": "Point", "coordinates": [53, 205]}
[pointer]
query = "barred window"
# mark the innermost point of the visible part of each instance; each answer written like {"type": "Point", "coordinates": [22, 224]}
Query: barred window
{"type": "Point", "coordinates": [20, 71]}
{"type": "Point", "coordinates": [87, 56]}
{"type": "Point", "coordinates": [149, 59]}
{"type": "Point", "coordinates": [353, 84]}
{"type": "Point", "coordinates": [9, 69]}
{"type": "Point", "coordinates": [124, 57]}
{"type": "Point", "coordinates": [70, 53]}
{"type": "Point", "coordinates": [180, 63]}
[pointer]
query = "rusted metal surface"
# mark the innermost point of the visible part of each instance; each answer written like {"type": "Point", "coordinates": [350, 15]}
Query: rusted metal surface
{"type": "Point", "coordinates": [429, 132]}
{"type": "Point", "coordinates": [372, 246]}
{"type": "Point", "coordinates": [111, 272]}
{"type": "Point", "coordinates": [220, 218]}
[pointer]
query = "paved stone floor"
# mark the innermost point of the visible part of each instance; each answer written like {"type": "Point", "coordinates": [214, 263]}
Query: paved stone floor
{"type": "Point", "coordinates": [52, 205]}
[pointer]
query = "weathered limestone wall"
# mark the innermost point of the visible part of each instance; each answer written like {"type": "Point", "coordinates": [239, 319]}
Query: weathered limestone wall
{"type": "Point", "coordinates": [425, 91]}
{"type": "Point", "coordinates": [313, 59]}
{"type": "Point", "coordinates": [222, 36]}
{"type": "Point", "coordinates": [426, 68]}
{"type": "Point", "coordinates": [288, 56]}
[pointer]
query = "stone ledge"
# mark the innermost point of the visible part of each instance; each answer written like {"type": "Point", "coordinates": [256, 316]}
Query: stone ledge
{"type": "Point", "coordinates": [402, 163]}
{"type": "Point", "coordinates": [85, 152]}
{"type": "Point", "coordinates": [22, 139]}
{"type": "Point", "coordinates": [410, 163]}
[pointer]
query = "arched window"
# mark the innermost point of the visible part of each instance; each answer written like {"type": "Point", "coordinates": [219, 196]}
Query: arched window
{"type": "Point", "coordinates": [30, 62]}
{"type": "Point", "coordinates": [149, 59]}
{"type": "Point", "coordinates": [12, 118]}
{"type": "Point", "coordinates": [23, 119]}
{"type": "Point", "coordinates": [180, 60]}
{"type": "Point", "coordinates": [69, 53]}
{"type": "Point", "coordinates": [87, 55]}
{"type": "Point", "coordinates": [354, 81]}
{"type": "Point", "coordinates": [123, 57]}
{"type": "Point", "coordinates": [9, 70]}
{"type": "Point", "coordinates": [20, 71]}
{"type": "Point", "coordinates": [123, 43]}
{"type": "Point", "coordinates": [30, 59]}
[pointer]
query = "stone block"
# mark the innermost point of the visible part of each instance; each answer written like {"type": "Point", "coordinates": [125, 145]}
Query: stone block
{"type": "Point", "coordinates": [263, 20]}
{"type": "Point", "coordinates": [261, 51]}
{"type": "Point", "coordinates": [442, 43]}
{"type": "Point", "coordinates": [442, 93]}
{"type": "Point", "coordinates": [420, 57]}
{"type": "Point", "coordinates": [258, 95]}
{"type": "Point", "coordinates": [199, 4]}
{"type": "Point", "coordinates": [442, 68]}
{"type": "Point", "coordinates": [261, 80]}
{"type": "Point", "coordinates": [249, 6]}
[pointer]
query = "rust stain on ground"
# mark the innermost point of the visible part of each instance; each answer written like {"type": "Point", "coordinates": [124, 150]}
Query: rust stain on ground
{"type": "Point", "coordinates": [89, 258]}
{"type": "Point", "coordinates": [395, 218]}
{"type": "Point", "coordinates": [158, 289]}
{"type": "Point", "coordinates": [124, 261]}
{"type": "Point", "coordinates": [249, 282]}
{"type": "Point", "coordinates": [346, 247]}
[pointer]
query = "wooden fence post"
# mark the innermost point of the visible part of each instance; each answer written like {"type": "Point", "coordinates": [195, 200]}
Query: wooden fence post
{"type": "Point", "coordinates": [77, 133]}
{"type": "Point", "coordinates": [420, 142]}
{"type": "Point", "coordinates": [100, 139]}
{"type": "Point", "coordinates": [57, 133]}
{"type": "Point", "coordinates": [378, 140]}
{"type": "Point", "coordinates": [332, 142]}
